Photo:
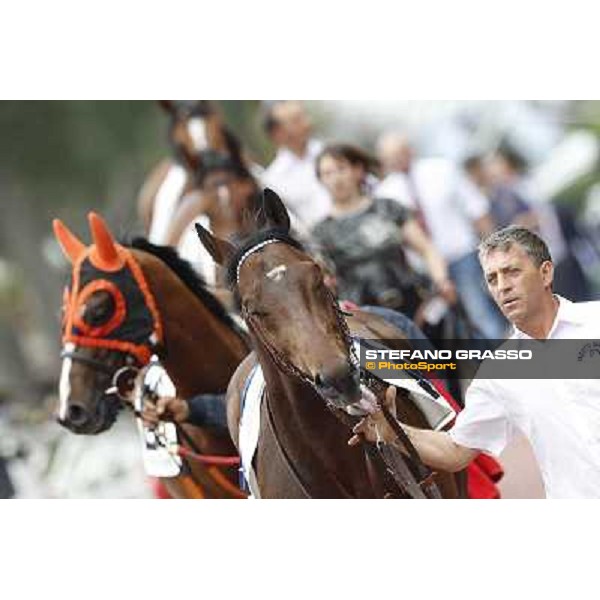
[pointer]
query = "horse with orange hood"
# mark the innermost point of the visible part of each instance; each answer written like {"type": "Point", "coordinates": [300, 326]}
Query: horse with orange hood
{"type": "Point", "coordinates": [125, 304]}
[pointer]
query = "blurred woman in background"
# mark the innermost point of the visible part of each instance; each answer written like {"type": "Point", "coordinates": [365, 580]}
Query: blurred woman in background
{"type": "Point", "coordinates": [366, 238]}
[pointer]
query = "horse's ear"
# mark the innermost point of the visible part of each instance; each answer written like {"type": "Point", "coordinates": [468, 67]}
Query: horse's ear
{"type": "Point", "coordinates": [105, 254]}
{"type": "Point", "coordinates": [70, 244]}
{"type": "Point", "coordinates": [273, 210]}
{"type": "Point", "coordinates": [168, 106]}
{"type": "Point", "coordinates": [220, 250]}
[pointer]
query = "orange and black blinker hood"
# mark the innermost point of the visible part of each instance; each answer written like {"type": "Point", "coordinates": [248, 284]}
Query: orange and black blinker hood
{"type": "Point", "coordinates": [134, 325]}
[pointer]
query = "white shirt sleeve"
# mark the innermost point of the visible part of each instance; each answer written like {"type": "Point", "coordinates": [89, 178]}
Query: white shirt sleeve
{"type": "Point", "coordinates": [483, 424]}
{"type": "Point", "coordinates": [471, 201]}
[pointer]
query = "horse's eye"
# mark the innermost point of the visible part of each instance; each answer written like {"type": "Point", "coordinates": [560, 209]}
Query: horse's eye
{"type": "Point", "coordinates": [99, 309]}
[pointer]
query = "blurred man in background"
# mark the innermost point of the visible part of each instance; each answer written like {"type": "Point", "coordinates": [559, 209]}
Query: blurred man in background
{"type": "Point", "coordinates": [454, 213]}
{"type": "Point", "coordinates": [509, 171]}
{"type": "Point", "coordinates": [507, 206]}
{"type": "Point", "coordinates": [292, 172]}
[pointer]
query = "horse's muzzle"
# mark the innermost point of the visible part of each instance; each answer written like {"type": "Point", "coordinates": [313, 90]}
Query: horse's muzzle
{"type": "Point", "coordinates": [340, 387]}
{"type": "Point", "coordinates": [83, 421]}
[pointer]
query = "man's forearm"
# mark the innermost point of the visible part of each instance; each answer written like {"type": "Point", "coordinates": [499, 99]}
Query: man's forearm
{"type": "Point", "coordinates": [207, 410]}
{"type": "Point", "coordinates": [438, 450]}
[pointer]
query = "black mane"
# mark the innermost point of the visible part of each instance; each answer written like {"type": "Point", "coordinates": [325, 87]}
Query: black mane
{"type": "Point", "coordinates": [183, 269]}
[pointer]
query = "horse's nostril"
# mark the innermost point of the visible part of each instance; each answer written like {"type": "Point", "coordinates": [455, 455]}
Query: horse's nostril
{"type": "Point", "coordinates": [77, 415]}
{"type": "Point", "coordinates": [324, 380]}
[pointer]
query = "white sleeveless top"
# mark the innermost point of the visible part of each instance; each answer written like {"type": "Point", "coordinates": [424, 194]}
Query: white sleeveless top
{"type": "Point", "coordinates": [191, 249]}
{"type": "Point", "coordinates": [165, 203]}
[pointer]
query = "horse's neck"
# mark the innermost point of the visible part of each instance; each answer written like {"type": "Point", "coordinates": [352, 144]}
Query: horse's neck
{"type": "Point", "coordinates": [201, 352]}
{"type": "Point", "coordinates": [311, 436]}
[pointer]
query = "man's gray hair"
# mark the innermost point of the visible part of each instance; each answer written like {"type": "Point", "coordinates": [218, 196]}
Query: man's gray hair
{"type": "Point", "coordinates": [504, 238]}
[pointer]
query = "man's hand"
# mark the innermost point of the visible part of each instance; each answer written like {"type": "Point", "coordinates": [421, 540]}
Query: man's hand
{"type": "Point", "coordinates": [436, 448]}
{"type": "Point", "coordinates": [165, 409]}
{"type": "Point", "coordinates": [374, 427]}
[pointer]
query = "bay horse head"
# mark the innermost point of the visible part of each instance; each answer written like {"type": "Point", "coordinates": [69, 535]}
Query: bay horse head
{"type": "Point", "coordinates": [195, 127]}
{"type": "Point", "coordinates": [292, 316]}
{"type": "Point", "coordinates": [111, 327]}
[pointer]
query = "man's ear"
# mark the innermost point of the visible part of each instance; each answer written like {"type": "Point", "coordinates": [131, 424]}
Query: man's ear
{"type": "Point", "coordinates": [547, 272]}
{"type": "Point", "coordinates": [220, 250]}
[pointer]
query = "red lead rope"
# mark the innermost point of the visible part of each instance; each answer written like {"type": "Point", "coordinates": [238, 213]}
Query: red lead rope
{"type": "Point", "coordinates": [207, 459]}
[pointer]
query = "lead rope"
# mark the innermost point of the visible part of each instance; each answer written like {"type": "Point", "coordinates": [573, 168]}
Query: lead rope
{"type": "Point", "coordinates": [393, 459]}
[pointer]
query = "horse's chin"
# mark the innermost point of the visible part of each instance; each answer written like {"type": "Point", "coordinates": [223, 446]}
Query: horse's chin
{"type": "Point", "coordinates": [360, 405]}
{"type": "Point", "coordinates": [107, 416]}
{"type": "Point", "coordinates": [342, 400]}
{"type": "Point", "coordinates": [366, 405]}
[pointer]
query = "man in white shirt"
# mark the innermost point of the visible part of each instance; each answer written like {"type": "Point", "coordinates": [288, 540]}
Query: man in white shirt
{"type": "Point", "coordinates": [454, 213]}
{"type": "Point", "coordinates": [560, 417]}
{"type": "Point", "coordinates": [292, 172]}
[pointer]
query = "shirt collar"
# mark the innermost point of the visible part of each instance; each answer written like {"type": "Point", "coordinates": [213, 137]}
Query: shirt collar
{"type": "Point", "coordinates": [567, 313]}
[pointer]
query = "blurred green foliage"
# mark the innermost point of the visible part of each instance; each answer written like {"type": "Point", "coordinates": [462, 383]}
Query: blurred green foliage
{"type": "Point", "coordinates": [66, 154]}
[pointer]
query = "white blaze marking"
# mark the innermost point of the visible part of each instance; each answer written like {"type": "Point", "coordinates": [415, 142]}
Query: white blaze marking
{"type": "Point", "coordinates": [197, 131]}
{"type": "Point", "coordinates": [276, 273]}
{"type": "Point", "coordinates": [64, 386]}
{"type": "Point", "coordinates": [223, 197]}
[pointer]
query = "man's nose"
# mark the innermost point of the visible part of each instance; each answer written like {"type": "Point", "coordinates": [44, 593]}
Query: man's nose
{"type": "Point", "coordinates": [504, 284]}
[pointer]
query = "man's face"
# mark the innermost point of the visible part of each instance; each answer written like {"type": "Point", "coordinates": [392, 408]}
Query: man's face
{"type": "Point", "coordinates": [516, 283]}
{"type": "Point", "coordinates": [395, 154]}
{"type": "Point", "coordinates": [479, 174]}
{"type": "Point", "coordinates": [499, 170]}
{"type": "Point", "coordinates": [293, 124]}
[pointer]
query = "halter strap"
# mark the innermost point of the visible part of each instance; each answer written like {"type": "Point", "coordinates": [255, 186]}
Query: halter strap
{"type": "Point", "coordinates": [249, 253]}
{"type": "Point", "coordinates": [97, 365]}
